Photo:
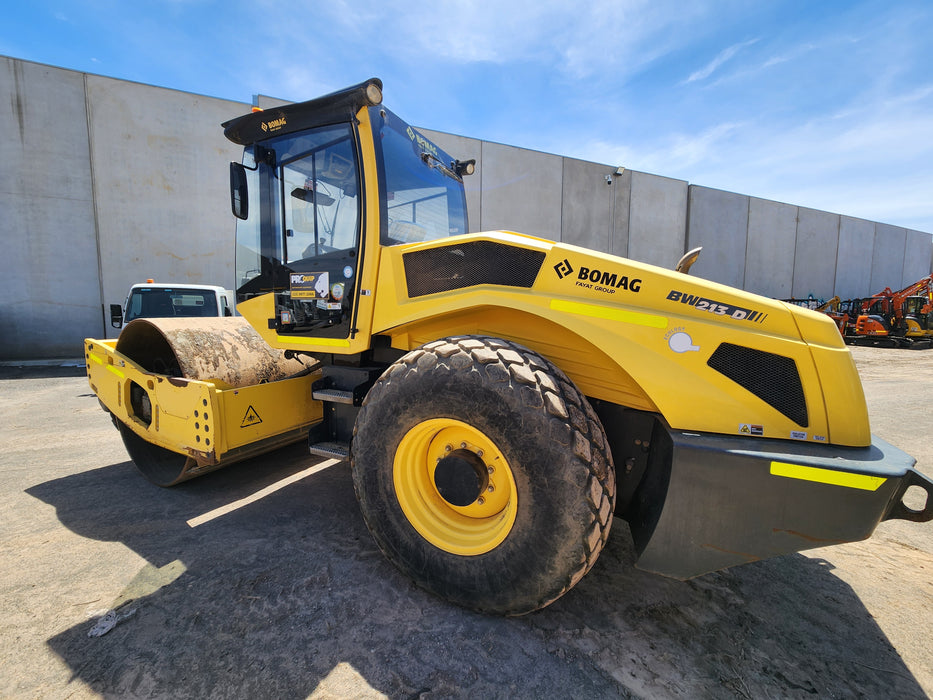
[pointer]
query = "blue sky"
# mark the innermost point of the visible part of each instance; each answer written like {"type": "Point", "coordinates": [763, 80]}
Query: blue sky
{"type": "Point", "coordinates": [819, 103]}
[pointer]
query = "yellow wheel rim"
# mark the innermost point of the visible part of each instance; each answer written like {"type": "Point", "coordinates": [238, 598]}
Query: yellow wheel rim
{"type": "Point", "coordinates": [468, 530]}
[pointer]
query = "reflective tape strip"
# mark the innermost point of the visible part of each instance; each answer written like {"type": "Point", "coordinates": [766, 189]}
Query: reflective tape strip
{"type": "Point", "coordinates": [634, 317]}
{"type": "Point", "coordinates": [827, 476]}
{"type": "Point", "coordinates": [111, 368]}
{"type": "Point", "coordinates": [299, 340]}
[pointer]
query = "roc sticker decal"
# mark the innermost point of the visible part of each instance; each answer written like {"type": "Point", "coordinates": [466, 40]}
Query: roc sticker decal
{"type": "Point", "coordinates": [309, 285]}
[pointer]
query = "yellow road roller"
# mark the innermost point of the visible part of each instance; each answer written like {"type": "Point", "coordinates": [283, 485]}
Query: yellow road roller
{"type": "Point", "coordinates": [499, 396]}
{"type": "Point", "coordinates": [189, 398]}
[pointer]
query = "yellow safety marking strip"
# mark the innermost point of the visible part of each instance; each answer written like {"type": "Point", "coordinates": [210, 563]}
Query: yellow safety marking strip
{"type": "Point", "coordinates": [111, 368]}
{"type": "Point", "coordinates": [827, 476]}
{"type": "Point", "coordinates": [95, 358]}
{"type": "Point", "coordinates": [330, 342]}
{"type": "Point", "coordinates": [622, 315]}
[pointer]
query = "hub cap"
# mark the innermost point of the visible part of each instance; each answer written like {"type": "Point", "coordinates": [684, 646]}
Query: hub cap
{"type": "Point", "coordinates": [455, 486]}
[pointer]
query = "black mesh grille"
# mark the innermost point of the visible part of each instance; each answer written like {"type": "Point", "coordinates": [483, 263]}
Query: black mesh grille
{"type": "Point", "coordinates": [772, 378]}
{"type": "Point", "coordinates": [469, 264]}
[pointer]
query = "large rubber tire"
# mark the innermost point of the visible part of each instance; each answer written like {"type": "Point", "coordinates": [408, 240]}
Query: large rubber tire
{"type": "Point", "coordinates": [499, 405]}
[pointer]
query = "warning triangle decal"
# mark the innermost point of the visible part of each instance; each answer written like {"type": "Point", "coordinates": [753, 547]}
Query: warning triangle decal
{"type": "Point", "coordinates": [251, 418]}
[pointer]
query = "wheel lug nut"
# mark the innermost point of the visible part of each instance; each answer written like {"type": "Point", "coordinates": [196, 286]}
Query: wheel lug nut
{"type": "Point", "coordinates": [481, 500]}
{"type": "Point", "coordinates": [491, 488]}
{"type": "Point", "coordinates": [491, 470]}
{"type": "Point", "coordinates": [462, 444]}
{"type": "Point", "coordinates": [479, 453]}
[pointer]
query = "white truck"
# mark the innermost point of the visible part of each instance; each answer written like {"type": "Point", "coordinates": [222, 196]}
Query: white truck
{"type": "Point", "coordinates": [151, 300]}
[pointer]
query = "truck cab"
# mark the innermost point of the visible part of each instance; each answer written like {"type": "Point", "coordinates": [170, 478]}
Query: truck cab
{"type": "Point", "coordinates": [151, 300]}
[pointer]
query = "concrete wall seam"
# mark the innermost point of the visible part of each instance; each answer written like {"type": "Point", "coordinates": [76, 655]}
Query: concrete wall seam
{"type": "Point", "coordinates": [91, 170]}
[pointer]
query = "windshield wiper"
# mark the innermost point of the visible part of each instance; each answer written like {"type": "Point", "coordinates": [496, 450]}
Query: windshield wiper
{"type": "Point", "coordinates": [439, 165]}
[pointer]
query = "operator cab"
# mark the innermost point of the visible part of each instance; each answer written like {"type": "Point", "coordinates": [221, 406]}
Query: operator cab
{"type": "Point", "coordinates": [300, 196]}
{"type": "Point", "coordinates": [914, 309]}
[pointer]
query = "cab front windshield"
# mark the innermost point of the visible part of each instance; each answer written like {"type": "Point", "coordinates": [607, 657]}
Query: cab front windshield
{"type": "Point", "coordinates": [424, 197]}
{"type": "Point", "coordinates": [163, 302]}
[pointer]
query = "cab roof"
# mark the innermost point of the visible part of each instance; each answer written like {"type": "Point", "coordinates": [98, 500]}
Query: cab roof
{"type": "Point", "coordinates": [337, 106]}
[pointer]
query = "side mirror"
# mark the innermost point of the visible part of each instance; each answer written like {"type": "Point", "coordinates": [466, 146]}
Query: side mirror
{"type": "Point", "coordinates": [116, 316]}
{"type": "Point", "coordinates": [239, 192]}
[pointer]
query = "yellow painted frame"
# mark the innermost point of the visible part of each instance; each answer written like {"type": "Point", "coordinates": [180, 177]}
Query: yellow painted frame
{"type": "Point", "coordinates": [214, 424]}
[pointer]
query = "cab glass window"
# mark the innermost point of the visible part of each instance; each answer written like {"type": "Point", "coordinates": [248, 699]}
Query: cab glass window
{"type": "Point", "coordinates": [320, 194]}
{"type": "Point", "coordinates": [424, 198]}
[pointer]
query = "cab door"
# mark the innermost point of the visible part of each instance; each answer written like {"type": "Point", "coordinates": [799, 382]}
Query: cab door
{"type": "Point", "coordinates": [319, 192]}
{"type": "Point", "coordinates": [313, 213]}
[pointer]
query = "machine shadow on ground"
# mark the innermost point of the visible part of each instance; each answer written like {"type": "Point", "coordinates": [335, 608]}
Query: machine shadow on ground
{"type": "Point", "coordinates": [289, 595]}
{"type": "Point", "coordinates": [41, 372]}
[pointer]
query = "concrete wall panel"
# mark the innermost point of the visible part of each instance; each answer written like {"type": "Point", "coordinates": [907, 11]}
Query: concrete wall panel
{"type": "Point", "coordinates": [49, 290]}
{"type": "Point", "coordinates": [267, 102]}
{"type": "Point", "coordinates": [815, 254]}
{"type": "Point", "coordinates": [718, 221]}
{"type": "Point", "coordinates": [521, 191]}
{"type": "Point", "coordinates": [586, 217]}
{"type": "Point", "coordinates": [657, 219]}
{"type": "Point", "coordinates": [853, 261]}
{"type": "Point", "coordinates": [621, 213]}
{"type": "Point", "coordinates": [887, 264]}
{"type": "Point", "coordinates": [162, 203]}
{"type": "Point", "coordinates": [917, 254]}
{"type": "Point", "coordinates": [769, 252]}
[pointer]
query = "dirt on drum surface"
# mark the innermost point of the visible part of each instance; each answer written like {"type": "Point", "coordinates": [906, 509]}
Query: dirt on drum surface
{"type": "Point", "coordinates": [245, 583]}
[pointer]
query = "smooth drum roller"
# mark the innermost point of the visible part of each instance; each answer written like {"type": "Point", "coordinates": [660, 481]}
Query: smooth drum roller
{"type": "Point", "coordinates": [227, 352]}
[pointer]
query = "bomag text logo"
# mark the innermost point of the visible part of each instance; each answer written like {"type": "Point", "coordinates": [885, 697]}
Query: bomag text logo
{"type": "Point", "coordinates": [604, 281]}
{"type": "Point", "coordinates": [426, 145]}
{"type": "Point", "coordinates": [598, 280]}
{"type": "Point", "coordinates": [273, 125]}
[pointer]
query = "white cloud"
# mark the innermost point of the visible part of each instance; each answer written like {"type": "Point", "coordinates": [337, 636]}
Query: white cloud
{"type": "Point", "coordinates": [874, 161]}
{"type": "Point", "coordinates": [573, 40]}
{"type": "Point", "coordinates": [723, 57]}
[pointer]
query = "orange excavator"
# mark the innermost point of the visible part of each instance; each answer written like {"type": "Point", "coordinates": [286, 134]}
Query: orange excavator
{"type": "Point", "coordinates": [841, 312]}
{"type": "Point", "coordinates": [895, 319]}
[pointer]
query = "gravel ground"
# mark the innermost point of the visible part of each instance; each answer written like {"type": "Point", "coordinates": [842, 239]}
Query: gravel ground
{"type": "Point", "coordinates": [287, 596]}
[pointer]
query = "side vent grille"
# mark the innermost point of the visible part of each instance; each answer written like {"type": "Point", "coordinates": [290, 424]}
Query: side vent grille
{"type": "Point", "coordinates": [468, 265]}
{"type": "Point", "coordinates": [772, 378]}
